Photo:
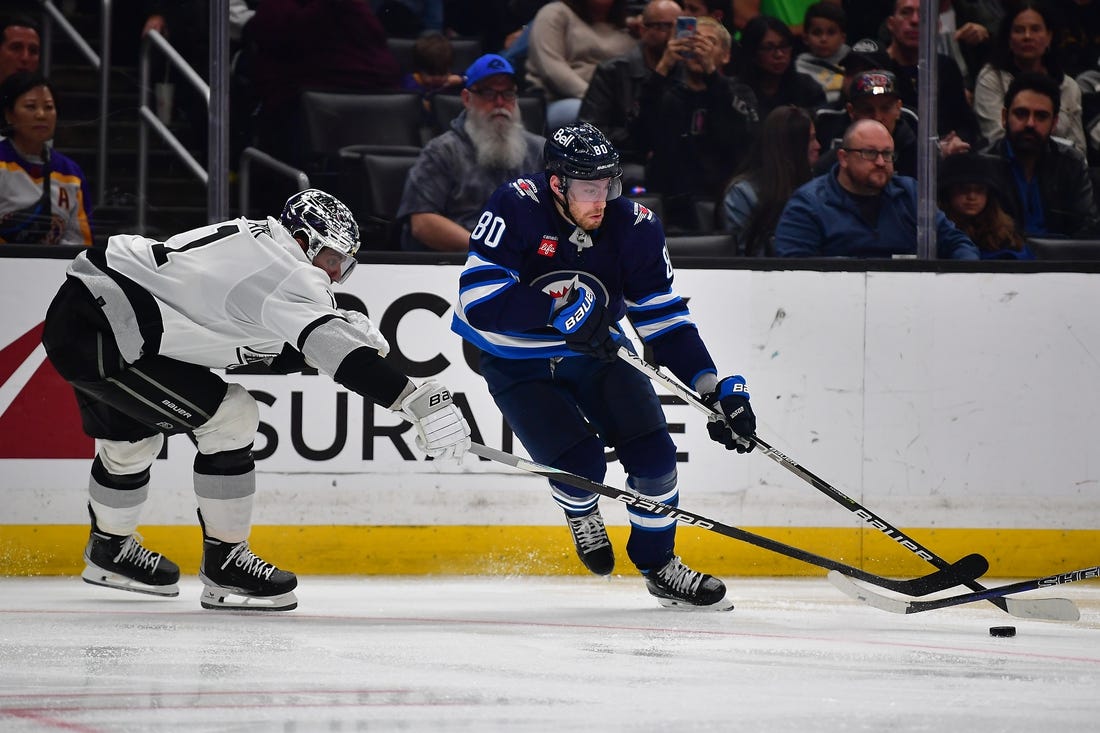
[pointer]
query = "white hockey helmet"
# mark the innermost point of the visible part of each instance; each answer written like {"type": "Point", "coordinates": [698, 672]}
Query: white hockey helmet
{"type": "Point", "coordinates": [322, 220]}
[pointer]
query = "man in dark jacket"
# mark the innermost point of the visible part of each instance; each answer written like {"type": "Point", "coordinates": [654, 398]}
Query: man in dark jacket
{"type": "Point", "coordinates": [1048, 180]}
{"type": "Point", "coordinates": [954, 112]}
{"type": "Point", "coordinates": [696, 123]}
{"type": "Point", "coordinates": [611, 101]}
{"type": "Point", "coordinates": [860, 208]}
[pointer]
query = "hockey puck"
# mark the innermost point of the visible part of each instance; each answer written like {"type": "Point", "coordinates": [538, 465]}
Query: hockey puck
{"type": "Point", "coordinates": [1002, 631]}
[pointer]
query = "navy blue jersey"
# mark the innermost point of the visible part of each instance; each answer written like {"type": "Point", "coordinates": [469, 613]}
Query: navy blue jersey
{"type": "Point", "coordinates": [523, 260]}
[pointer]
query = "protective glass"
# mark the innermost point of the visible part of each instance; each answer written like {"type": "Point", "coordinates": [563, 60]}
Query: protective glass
{"type": "Point", "coordinates": [586, 192]}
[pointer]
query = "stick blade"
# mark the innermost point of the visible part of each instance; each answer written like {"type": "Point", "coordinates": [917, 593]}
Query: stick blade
{"type": "Point", "coordinates": [848, 587]}
{"type": "Point", "coordinates": [964, 570]}
{"type": "Point", "coordinates": [1047, 609]}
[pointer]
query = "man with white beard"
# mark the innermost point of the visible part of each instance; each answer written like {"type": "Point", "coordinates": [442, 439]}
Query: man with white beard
{"type": "Point", "coordinates": [457, 171]}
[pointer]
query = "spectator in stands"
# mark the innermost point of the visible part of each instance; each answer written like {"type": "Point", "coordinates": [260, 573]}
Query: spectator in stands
{"type": "Point", "coordinates": [313, 44]}
{"type": "Point", "coordinates": [969, 198]}
{"type": "Point", "coordinates": [20, 45]}
{"type": "Point", "coordinates": [1027, 41]}
{"type": "Point", "coordinates": [953, 110]}
{"type": "Point", "coordinates": [860, 208]}
{"type": "Point", "coordinates": [778, 163]}
{"type": "Point", "coordinates": [696, 124]}
{"type": "Point", "coordinates": [1048, 179]}
{"type": "Point", "coordinates": [456, 172]}
{"type": "Point", "coordinates": [568, 39]}
{"type": "Point", "coordinates": [824, 37]}
{"type": "Point", "coordinates": [873, 95]}
{"type": "Point", "coordinates": [722, 11]}
{"type": "Point", "coordinates": [611, 101]}
{"type": "Point", "coordinates": [43, 194]}
{"type": "Point", "coordinates": [965, 30]}
{"type": "Point", "coordinates": [832, 120]}
{"type": "Point", "coordinates": [432, 58]}
{"type": "Point", "coordinates": [768, 46]}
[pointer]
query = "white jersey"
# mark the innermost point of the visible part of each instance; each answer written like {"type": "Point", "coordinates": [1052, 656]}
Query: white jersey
{"type": "Point", "coordinates": [224, 294]}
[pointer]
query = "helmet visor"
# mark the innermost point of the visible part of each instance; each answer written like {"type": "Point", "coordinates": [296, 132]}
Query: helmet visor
{"type": "Point", "coordinates": [338, 265]}
{"type": "Point", "coordinates": [586, 192]}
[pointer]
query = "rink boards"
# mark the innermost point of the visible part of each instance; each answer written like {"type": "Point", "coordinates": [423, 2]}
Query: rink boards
{"type": "Point", "coordinates": [959, 406]}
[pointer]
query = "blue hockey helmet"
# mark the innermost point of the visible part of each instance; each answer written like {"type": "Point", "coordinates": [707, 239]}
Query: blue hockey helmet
{"type": "Point", "coordinates": [581, 152]}
{"type": "Point", "coordinates": [322, 220]}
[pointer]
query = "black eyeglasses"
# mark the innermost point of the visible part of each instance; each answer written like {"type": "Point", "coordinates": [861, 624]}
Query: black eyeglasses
{"type": "Point", "coordinates": [655, 26]}
{"type": "Point", "coordinates": [770, 48]}
{"type": "Point", "coordinates": [871, 155]}
{"type": "Point", "coordinates": [490, 95]}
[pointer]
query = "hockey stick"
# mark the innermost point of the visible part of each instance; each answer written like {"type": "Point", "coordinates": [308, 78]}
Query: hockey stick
{"type": "Point", "coordinates": [1029, 608]}
{"type": "Point", "coordinates": [821, 485]}
{"type": "Point", "coordinates": [969, 566]}
{"type": "Point", "coordinates": [1056, 609]}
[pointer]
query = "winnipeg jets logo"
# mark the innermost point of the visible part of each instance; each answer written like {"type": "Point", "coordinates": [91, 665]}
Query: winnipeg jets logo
{"type": "Point", "coordinates": [559, 284]}
{"type": "Point", "coordinates": [526, 187]}
{"type": "Point", "coordinates": [641, 214]}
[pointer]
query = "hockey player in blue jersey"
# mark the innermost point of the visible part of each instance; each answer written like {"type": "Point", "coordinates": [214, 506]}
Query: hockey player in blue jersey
{"type": "Point", "coordinates": [555, 261]}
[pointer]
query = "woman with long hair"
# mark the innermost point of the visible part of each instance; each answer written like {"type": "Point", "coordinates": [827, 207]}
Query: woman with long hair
{"type": "Point", "coordinates": [1027, 41]}
{"type": "Point", "coordinates": [768, 50]}
{"type": "Point", "coordinates": [968, 197]}
{"type": "Point", "coordinates": [779, 163]}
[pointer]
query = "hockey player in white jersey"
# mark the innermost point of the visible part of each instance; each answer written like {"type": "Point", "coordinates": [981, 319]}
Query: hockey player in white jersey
{"type": "Point", "coordinates": [136, 329]}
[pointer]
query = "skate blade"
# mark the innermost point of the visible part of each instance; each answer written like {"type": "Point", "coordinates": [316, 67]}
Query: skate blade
{"type": "Point", "coordinates": [723, 605]}
{"type": "Point", "coordinates": [226, 599]}
{"type": "Point", "coordinates": [98, 576]}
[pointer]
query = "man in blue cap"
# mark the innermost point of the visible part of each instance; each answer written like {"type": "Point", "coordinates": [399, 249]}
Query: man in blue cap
{"type": "Point", "coordinates": [457, 171]}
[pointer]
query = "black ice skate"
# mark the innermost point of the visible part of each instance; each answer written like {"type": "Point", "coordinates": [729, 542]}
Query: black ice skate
{"type": "Point", "coordinates": [677, 586]}
{"type": "Point", "coordinates": [118, 561]}
{"type": "Point", "coordinates": [233, 577]}
{"type": "Point", "coordinates": [593, 546]}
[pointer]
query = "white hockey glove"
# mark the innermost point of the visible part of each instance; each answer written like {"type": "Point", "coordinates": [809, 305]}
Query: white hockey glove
{"type": "Point", "coordinates": [441, 431]}
{"type": "Point", "coordinates": [366, 328]}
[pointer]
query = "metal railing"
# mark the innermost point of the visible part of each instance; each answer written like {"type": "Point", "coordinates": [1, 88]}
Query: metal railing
{"type": "Point", "coordinates": [251, 155]}
{"type": "Point", "coordinates": [102, 63]}
{"type": "Point", "coordinates": [149, 119]}
{"type": "Point", "coordinates": [216, 96]}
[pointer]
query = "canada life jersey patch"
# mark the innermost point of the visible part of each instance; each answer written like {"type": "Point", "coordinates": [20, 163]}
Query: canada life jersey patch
{"type": "Point", "coordinates": [548, 245]}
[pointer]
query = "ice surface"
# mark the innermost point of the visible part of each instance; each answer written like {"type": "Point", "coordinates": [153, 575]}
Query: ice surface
{"type": "Point", "coordinates": [534, 654]}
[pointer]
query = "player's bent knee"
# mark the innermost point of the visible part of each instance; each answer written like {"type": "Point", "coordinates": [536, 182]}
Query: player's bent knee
{"type": "Point", "coordinates": [584, 459]}
{"type": "Point", "coordinates": [124, 457]}
{"type": "Point", "coordinates": [233, 426]}
{"type": "Point", "coordinates": [652, 454]}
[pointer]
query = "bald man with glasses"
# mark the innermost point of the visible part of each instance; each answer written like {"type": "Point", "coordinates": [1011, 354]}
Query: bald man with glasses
{"type": "Point", "coordinates": [860, 208]}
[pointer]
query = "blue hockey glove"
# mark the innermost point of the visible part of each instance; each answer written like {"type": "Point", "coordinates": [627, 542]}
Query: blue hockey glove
{"type": "Point", "coordinates": [586, 325]}
{"type": "Point", "coordinates": [731, 398]}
